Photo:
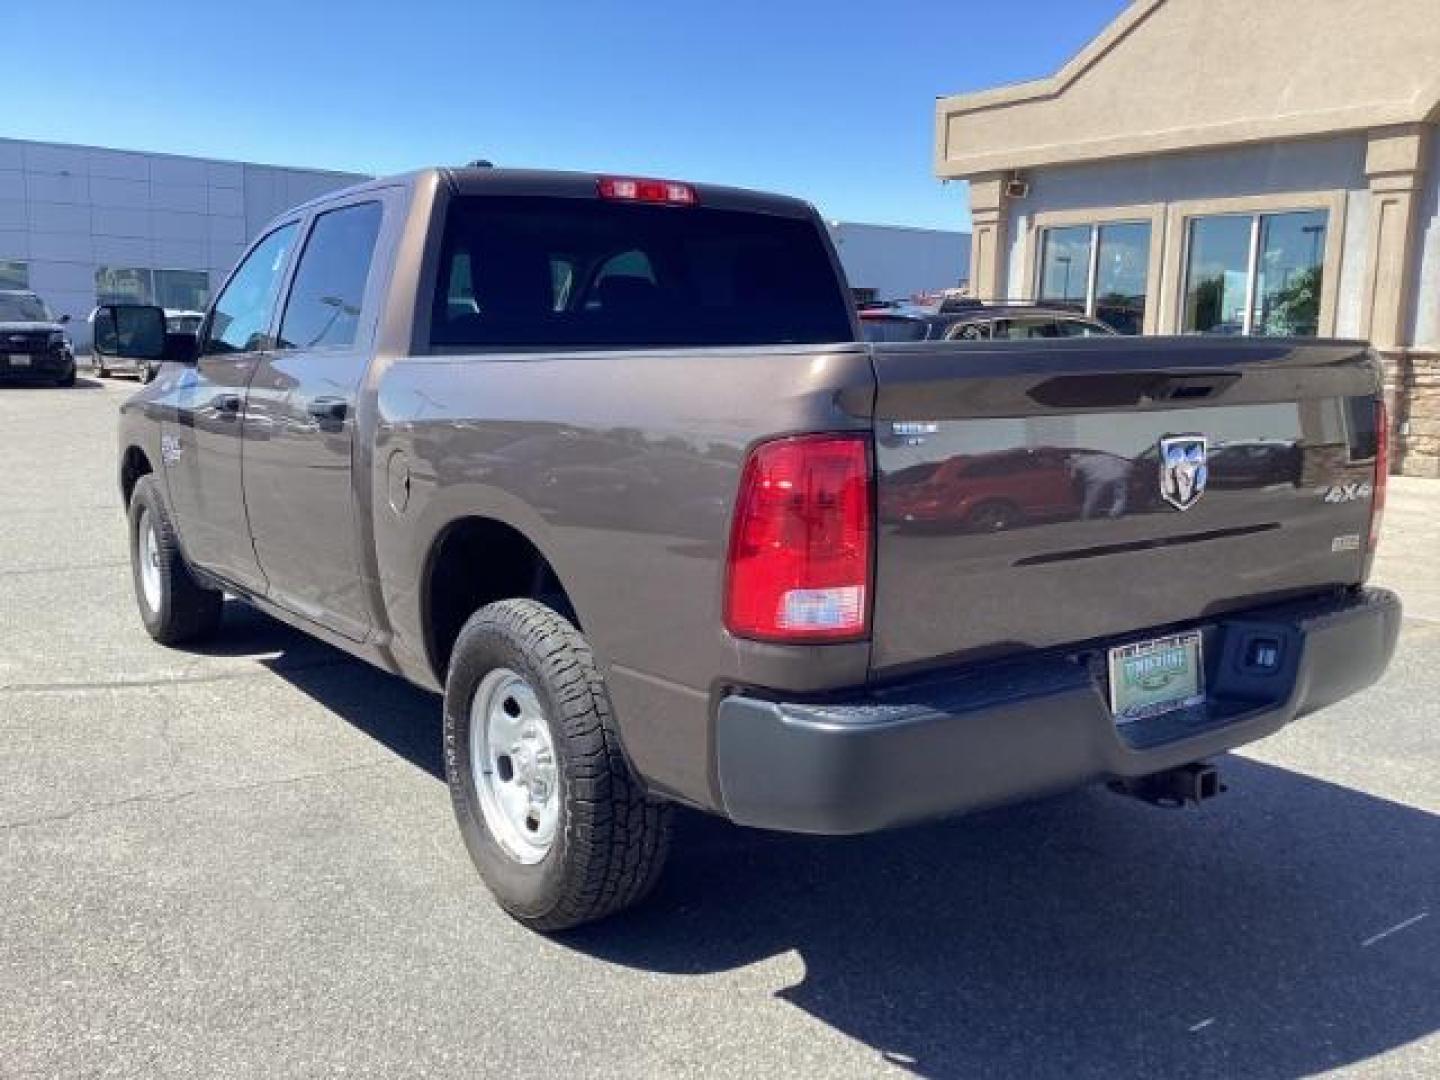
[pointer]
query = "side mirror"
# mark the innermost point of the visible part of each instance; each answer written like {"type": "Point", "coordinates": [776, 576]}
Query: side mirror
{"type": "Point", "coordinates": [181, 347]}
{"type": "Point", "coordinates": [134, 331]}
{"type": "Point", "coordinates": [65, 318]}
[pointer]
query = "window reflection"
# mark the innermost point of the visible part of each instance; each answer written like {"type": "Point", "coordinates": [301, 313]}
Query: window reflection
{"type": "Point", "coordinates": [1065, 266]}
{"type": "Point", "coordinates": [1275, 262]}
{"type": "Point", "coordinates": [1111, 286]}
{"type": "Point", "coordinates": [1289, 274]}
{"type": "Point", "coordinates": [14, 275]}
{"type": "Point", "coordinates": [1215, 275]}
{"type": "Point", "coordinates": [1122, 268]}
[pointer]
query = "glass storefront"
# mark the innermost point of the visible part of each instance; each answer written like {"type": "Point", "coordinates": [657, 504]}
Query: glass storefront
{"type": "Point", "coordinates": [1101, 270]}
{"type": "Point", "coordinates": [1122, 267]}
{"type": "Point", "coordinates": [1065, 266]}
{"type": "Point", "coordinates": [1288, 275]}
{"type": "Point", "coordinates": [184, 290]}
{"type": "Point", "coordinates": [1255, 274]}
{"type": "Point", "coordinates": [14, 274]}
{"type": "Point", "coordinates": [1216, 272]}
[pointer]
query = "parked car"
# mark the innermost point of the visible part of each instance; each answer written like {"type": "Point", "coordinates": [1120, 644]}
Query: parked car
{"type": "Point", "coordinates": [33, 342]}
{"type": "Point", "coordinates": [974, 321]}
{"type": "Point", "coordinates": [177, 321]}
{"type": "Point", "coordinates": [985, 492]}
{"type": "Point", "coordinates": [354, 451]}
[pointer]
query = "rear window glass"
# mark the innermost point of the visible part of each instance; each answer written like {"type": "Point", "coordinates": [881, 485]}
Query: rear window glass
{"type": "Point", "coordinates": [894, 329]}
{"type": "Point", "coordinates": [540, 272]}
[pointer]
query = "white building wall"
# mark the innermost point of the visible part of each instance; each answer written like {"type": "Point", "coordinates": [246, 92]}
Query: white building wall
{"type": "Point", "coordinates": [67, 210]}
{"type": "Point", "coordinates": [898, 262]}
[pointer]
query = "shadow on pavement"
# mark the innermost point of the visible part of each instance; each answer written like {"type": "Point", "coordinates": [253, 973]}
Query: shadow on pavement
{"type": "Point", "coordinates": [16, 382]}
{"type": "Point", "coordinates": [1272, 934]}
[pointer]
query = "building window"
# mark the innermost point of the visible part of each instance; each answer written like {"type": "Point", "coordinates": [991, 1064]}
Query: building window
{"type": "Point", "coordinates": [1101, 270]}
{"type": "Point", "coordinates": [184, 290]}
{"type": "Point", "coordinates": [1255, 274]}
{"type": "Point", "coordinates": [14, 275]}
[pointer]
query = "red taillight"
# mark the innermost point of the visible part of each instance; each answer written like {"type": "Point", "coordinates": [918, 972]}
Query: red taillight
{"type": "Point", "coordinates": [636, 189]}
{"type": "Point", "coordinates": [1382, 470]}
{"type": "Point", "coordinates": [799, 567]}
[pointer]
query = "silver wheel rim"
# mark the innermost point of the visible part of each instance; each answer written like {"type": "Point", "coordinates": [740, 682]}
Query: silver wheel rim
{"type": "Point", "coordinates": [149, 562]}
{"type": "Point", "coordinates": [512, 761]}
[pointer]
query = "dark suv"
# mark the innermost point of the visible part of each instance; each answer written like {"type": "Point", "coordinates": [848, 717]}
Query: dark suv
{"type": "Point", "coordinates": [33, 342]}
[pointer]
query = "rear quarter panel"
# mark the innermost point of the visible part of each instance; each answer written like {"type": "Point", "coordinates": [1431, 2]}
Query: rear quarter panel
{"type": "Point", "coordinates": [622, 468]}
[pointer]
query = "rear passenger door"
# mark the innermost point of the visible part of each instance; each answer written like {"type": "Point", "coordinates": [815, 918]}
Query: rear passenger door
{"type": "Point", "coordinates": [299, 456]}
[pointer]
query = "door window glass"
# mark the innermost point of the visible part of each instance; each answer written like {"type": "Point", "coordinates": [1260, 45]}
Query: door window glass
{"type": "Point", "coordinates": [969, 331]}
{"type": "Point", "coordinates": [242, 314]}
{"type": "Point", "coordinates": [1031, 326]}
{"type": "Point", "coordinates": [329, 289]}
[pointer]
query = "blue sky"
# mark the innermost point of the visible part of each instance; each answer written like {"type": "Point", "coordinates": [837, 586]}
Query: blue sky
{"type": "Point", "coordinates": [830, 101]}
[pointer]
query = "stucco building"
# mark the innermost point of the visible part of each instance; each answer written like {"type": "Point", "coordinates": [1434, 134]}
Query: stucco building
{"type": "Point", "coordinates": [1227, 166]}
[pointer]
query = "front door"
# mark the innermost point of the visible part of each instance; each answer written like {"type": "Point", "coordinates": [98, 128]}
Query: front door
{"type": "Point", "coordinates": [300, 423]}
{"type": "Point", "coordinates": [201, 444]}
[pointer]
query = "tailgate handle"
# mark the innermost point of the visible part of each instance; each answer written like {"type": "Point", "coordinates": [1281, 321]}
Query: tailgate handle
{"type": "Point", "coordinates": [1190, 387]}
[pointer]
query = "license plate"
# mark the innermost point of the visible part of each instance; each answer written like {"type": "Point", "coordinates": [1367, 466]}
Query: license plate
{"type": "Point", "coordinates": [18, 360]}
{"type": "Point", "coordinates": [1148, 678]}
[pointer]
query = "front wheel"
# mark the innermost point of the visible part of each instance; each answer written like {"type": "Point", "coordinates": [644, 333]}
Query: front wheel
{"type": "Point", "coordinates": [174, 606]}
{"type": "Point", "coordinates": [559, 828]}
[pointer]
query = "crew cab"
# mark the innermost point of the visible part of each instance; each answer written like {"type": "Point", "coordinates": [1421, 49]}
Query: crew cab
{"type": "Point", "coordinates": [33, 342]}
{"type": "Point", "coordinates": [606, 462]}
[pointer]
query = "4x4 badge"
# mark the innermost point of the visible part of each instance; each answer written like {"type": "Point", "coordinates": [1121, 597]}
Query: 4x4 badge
{"type": "Point", "coordinates": [1183, 471]}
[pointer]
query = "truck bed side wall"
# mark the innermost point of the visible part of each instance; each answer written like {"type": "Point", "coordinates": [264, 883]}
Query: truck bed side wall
{"type": "Point", "coordinates": [621, 467]}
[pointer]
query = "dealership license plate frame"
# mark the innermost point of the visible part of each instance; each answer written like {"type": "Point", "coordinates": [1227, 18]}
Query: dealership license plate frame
{"type": "Point", "coordinates": [1184, 688]}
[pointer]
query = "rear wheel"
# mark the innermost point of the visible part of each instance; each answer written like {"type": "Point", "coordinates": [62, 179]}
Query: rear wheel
{"type": "Point", "coordinates": [174, 606]}
{"type": "Point", "coordinates": [559, 829]}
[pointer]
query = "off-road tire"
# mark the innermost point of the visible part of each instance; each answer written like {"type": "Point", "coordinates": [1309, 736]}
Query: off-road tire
{"type": "Point", "coordinates": [187, 610]}
{"type": "Point", "coordinates": [612, 839]}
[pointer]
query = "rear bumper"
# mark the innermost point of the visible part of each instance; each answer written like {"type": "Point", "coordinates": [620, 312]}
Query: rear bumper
{"type": "Point", "coordinates": [41, 365]}
{"type": "Point", "coordinates": [1016, 730]}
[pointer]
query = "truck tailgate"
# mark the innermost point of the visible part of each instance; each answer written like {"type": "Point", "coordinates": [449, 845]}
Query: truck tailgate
{"type": "Point", "coordinates": [1036, 494]}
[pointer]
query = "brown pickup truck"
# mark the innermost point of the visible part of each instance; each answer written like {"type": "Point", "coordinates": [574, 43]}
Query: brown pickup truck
{"type": "Point", "coordinates": [606, 461]}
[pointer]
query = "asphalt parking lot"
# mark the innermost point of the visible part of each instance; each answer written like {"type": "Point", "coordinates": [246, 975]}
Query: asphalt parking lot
{"type": "Point", "coordinates": [242, 862]}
